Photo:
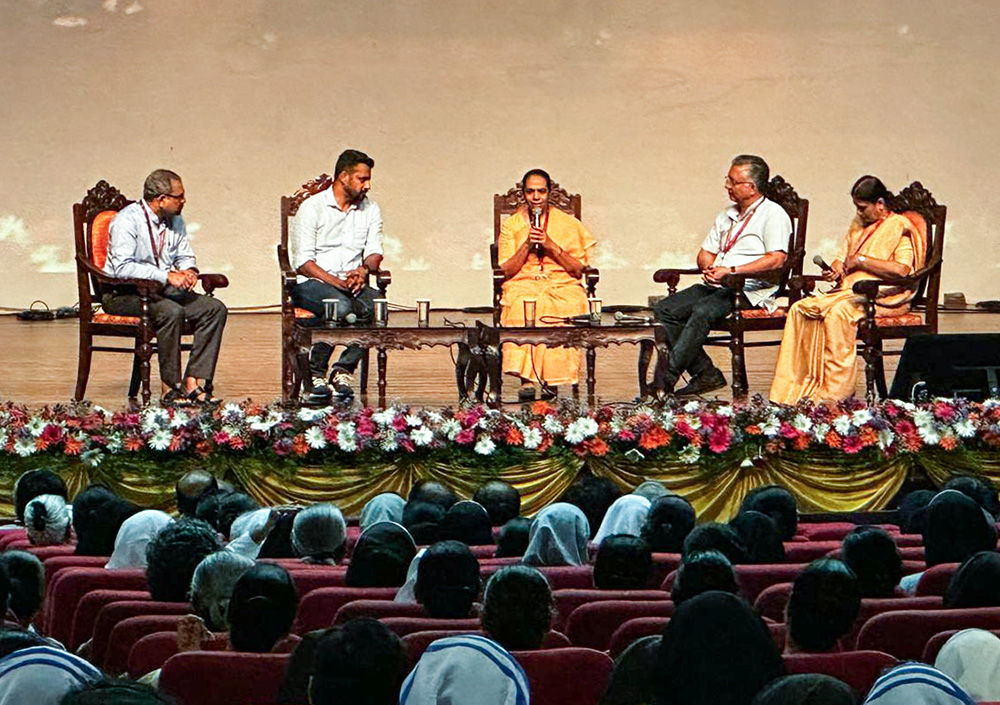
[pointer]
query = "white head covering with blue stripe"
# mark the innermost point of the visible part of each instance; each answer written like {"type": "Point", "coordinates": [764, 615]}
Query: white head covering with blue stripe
{"type": "Point", "coordinates": [42, 675]}
{"type": "Point", "coordinates": [626, 516]}
{"type": "Point", "coordinates": [917, 684]}
{"type": "Point", "coordinates": [461, 670]}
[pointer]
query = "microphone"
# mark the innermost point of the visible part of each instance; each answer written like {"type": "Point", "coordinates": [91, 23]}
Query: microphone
{"type": "Point", "coordinates": [350, 319]}
{"type": "Point", "coordinates": [821, 263]}
{"type": "Point", "coordinates": [626, 319]}
{"type": "Point", "coordinates": [536, 222]}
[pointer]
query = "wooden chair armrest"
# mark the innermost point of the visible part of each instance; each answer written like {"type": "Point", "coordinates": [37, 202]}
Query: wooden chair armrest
{"type": "Point", "coordinates": [144, 287]}
{"type": "Point", "coordinates": [498, 276]}
{"type": "Point", "coordinates": [383, 278]}
{"type": "Point", "coordinates": [870, 287]}
{"type": "Point", "coordinates": [210, 282]}
{"type": "Point", "coordinates": [672, 276]}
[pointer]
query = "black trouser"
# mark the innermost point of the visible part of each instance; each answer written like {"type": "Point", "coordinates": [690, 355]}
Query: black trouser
{"type": "Point", "coordinates": [309, 295]}
{"type": "Point", "coordinates": [169, 312]}
{"type": "Point", "coordinates": [688, 317]}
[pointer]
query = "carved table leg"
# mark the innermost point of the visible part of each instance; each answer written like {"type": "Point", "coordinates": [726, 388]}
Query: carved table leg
{"type": "Point", "coordinates": [591, 376]}
{"type": "Point", "coordinates": [381, 377]}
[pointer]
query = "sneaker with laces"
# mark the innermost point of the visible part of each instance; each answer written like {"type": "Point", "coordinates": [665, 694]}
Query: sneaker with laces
{"type": "Point", "coordinates": [341, 381]}
{"type": "Point", "coordinates": [320, 392]}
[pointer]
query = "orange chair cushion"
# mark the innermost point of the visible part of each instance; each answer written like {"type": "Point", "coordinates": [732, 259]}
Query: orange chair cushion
{"type": "Point", "coordinates": [302, 313]}
{"type": "Point", "coordinates": [906, 319]}
{"type": "Point", "coordinates": [780, 312]}
{"type": "Point", "coordinates": [116, 320]}
{"type": "Point", "coordinates": [99, 231]}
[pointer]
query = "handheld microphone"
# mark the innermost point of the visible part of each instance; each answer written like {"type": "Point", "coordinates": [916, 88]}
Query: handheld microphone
{"type": "Point", "coordinates": [626, 319]}
{"type": "Point", "coordinates": [536, 222]}
{"type": "Point", "coordinates": [350, 319]}
{"type": "Point", "coordinates": [821, 263]}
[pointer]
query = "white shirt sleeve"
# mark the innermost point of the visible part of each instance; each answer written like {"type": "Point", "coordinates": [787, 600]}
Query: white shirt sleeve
{"type": "Point", "coordinates": [776, 230]}
{"type": "Point", "coordinates": [245, 546]}
{"type": "Point", "coordinates": [713, 241]}
{"type": "Point", "coordinates": [184, 257]}
{"type": "Point", "coordinates": [373, 244]}
{"type": "Point", "coordinates": [304, 229]}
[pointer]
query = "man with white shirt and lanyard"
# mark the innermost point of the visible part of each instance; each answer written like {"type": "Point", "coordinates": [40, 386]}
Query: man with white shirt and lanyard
{"type": "Point", "coordinates": [750, 236]}
{"type": "Point", "coordinates": [148, 240]}
{"type": "Point", "coordinates": [337, 243]}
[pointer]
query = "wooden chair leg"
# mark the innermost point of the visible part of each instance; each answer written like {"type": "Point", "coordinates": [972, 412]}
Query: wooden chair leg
{"type": "Point", "coordinates": [645, 356]}
{"type": "Point", "coordinates": [136, 379]}
{"type": "Point", "coordinates": [83, 365]}
{"type": "Point", "coordinates": [739, 365]}
{"type": "Point", "coordinates": [363, 383]}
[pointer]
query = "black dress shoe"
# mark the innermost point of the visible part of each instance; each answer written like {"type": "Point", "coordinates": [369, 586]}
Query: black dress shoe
{"type": "Point", "coordinates": [549, 392]}
{"type": "Point", "coordinates": [708, 381]}
{"type": "Point", "coordinates": [526, 393]}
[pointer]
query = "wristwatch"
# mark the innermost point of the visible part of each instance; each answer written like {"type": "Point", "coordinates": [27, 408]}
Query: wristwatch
{"type": "Point", "coordinates": [861, 259]}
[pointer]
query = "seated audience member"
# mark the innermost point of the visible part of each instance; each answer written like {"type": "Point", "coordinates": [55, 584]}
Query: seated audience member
{"type": "Point", "coordinates": [822, 606]}
{"type": "Point", "coordinates": [172, 556]}
{"type": "Point", "coordinates": [387, 506]}
{"type": "Point", "coordinates": [623, 563]}
{"type": "Point", "coordinates": [558, 536]}
{"type": "Point", "coordinates": [35, 483]}
{"type": "Point", "coordinates": [381, 556]}
{"type": "Point", "coordinates": [915, 683]}
{"type": "Point", "coordinates": [278, 543]}
{"type": "Point", "coordinates": [872, 554]}
{"type": "Point", "coordinates": [358, 662]}
{"type": "Point", "coordinates": [806, 689]}
{"type": "Point", "coordinates": [25, 587]}
{"type": "Point", "coordinates": [977, 488]}
{"type": "Point", "coordinates": [972, 658]}
{"type": "Point", "coordinates": [717, 651]}
{"type": "Point", "coordinates": [231, 506]}
{"type": "Point", "coordinates": [976, 583]}
{"type": "Point", "coordinates": [134, 535]}
{"type": "Point", "coordinates": [98, 514]}
{"type": "Point", "coordinates": [468, 522]}
{"type": "Point", "coordinates": [13, 640]}
{"type": "Point", "coordinates": [432, 491]}
{"type": "Point", "coordinates": [668, 523]}
{"type": "Point", "coordinates": [262, 608]}
{"type": "Point", "coordinates": [42, 675]}
{"type": "Point", "coordinates": [408, 591]}
{"type": "Point", "coordinates": [319, 534]}
{"type": "Point", "coordinates": [512, 541]}
{"type": "Point", "coordinates": [501, 500]}
{"type": "Point", "coordinates": [517, 608]}
{"type": "Point", "coordinates": [626, 515]}
{"type": "Point", "coordinates": [634, 680]}
{"type": "Point", "coordinates": [702, 572]}
{"type": "Point", "coordinates": [651, 489]}
{"type": "Point", "coordinates": [465, 669]}
{"type": "Point", "coordinates": [212, 587]}
{"type": "Point", "coordinates": [423, 521]}
{"type": "Point", "coordinates": [594, 496]}
{"type": "Point", "coordinates": [191, 488]}
{"type": "Point", "coordinates": [47, 520]}
{"type": "Point", "coordinates": [778, 503]}
{"type": "Point", "coordinates": [911, 515]}
{"type": "Point", "coordinates": [760, 536]}
{"type": "Point", "coordinates": [447, 580]}
{"type": "Point", "coordinates": [715, 537]}
{"type": "Point", "coordinates": [115, 691]}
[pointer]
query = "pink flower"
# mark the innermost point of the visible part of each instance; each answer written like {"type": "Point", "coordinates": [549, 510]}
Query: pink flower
{"type": "Point", "coordinates": [330, 433]}
{"type": "Point", "coordinates": [719, 439]}
{"type": "Point", "coordinates": [465, 436]}
{"type": "Point", "coordinates": [366, 427]}
{"type": "Point", "coordinates": [407, 445]}
{"type": "Point", "coordinates": [945, 411]}
{"type": "Point", "coordinates": [220, 437]}
{"type": "Point", "coordinates": [852, 444]}
{"type": "Point", "coordinates": [787, 431]}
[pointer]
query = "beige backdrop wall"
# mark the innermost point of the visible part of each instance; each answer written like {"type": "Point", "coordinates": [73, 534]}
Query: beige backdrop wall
{"type": "Point", "coordinates": [638, 105]}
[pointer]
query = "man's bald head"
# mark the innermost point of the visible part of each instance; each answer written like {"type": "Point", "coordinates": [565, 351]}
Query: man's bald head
{"type": "Point", "coordinates": [191, 488]}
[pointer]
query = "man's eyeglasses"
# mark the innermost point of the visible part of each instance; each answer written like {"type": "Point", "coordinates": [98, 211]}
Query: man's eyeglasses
{"type": "Point", "coordinates": [730, 183]}
{"type": "Point", "coordinates": [177, 197]}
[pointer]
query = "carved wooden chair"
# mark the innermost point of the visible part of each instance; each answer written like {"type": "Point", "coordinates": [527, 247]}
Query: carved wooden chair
{"type": "Point", "coordinates": [731, 331]}
{"type": "Point", "coordinates": [297, 324]}
{"type": "Point", "coordinates": [91, 226]}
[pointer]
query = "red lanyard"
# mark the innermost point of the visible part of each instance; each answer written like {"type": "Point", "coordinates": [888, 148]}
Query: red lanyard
{"type": "Point", "coordinates": [152, 243]}
{"type": "Point", "coordinates": [730, 238]}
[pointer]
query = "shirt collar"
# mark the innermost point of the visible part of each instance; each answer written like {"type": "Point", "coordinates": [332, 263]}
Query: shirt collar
{"type": "Point", "coordinates": [331, 201]}
{"type": "Point", "coordinates": [734, 212]}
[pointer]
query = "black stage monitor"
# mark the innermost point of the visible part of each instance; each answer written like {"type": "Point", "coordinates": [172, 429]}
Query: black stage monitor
{"type": "Point", "coordinates": [953, 365]}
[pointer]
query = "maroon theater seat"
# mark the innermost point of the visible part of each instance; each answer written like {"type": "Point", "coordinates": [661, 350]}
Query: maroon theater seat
{"type": "Point", "coordinates": [307, 578]}
{"type": "Point", "coordinates": [935, 579]}
{"type": "Point", "coordinates": [825, 530]}
{"type": "Point", "coordinates": [127, 633]}
{"type": "Point", "coordinates": [808, 551]}
{"type": "Point", "coordinates": [635, 629]}
{"type": "Point", "coordinates": [417, 642]}
{"type": "Point", "coordinates": [223, 677]}
{"type": "Point", "coordinates": [905, 633]}
{"type": "Point", "coordinates": [10, 535]}
{"type": "Point", "coordinates": [568, 600]}
{"type": "Point", "coordinates": [90, 606]}
{"type": "Point", "coordinates": [859, 669]}
{"type": "Point", "coordinates": [401, 626]}
{"type": "Point", "coordinates": [569, 676]}
{"type": "Point", "coordinates": [69, 587]}
{"type": "Point", "coordinates": [770, 603]}
{"type": "Point", "coordinates": [318, 608]}
{"type": "Point", "coordinates": [377, 609]}
{"type": "Point", "coordinates": [43, 552]}
{"type": "Point", "coordinates": [54, 564]}
{"type": "Point", "coordinates": [592, 625]}
{"type": "Point", "coordinates": [903, 540]}
{"type": "Point", "coordinates": [754, 579]}
{"type": "Point", "coordinates": [113, 614]}
{"type": "Point", "coordinates": [937, 641]}
{"type": "Point", "coordinates": [151, 652]}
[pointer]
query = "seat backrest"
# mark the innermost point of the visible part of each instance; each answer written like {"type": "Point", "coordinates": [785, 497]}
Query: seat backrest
{"type": "Point", "coordinates": [592, 625]}
{"type": "Point", "coordinates": [128, 632]}
{"type": "Point", "coordinates": [825, 530]}
{"type": "Point", "coordinates": [91, 222]}
{"type": "Point", "coordinates": [566, 601]}
{"type": "Point", "coordinates": [782, 193]}
{"type": "Point", "coordinates": [401, 626]}
{"type": "Point", "coordinates": [905, 633]}
{"type": "Point", "coordinates": [89, 607]}
{"type": "Point", "coordinates": [318, 608]}
{"type": "Point", "coordinates": [548, 672]}
{"type": "Point", "coordinates": [43, 552]}
{"type": "Point", "coordinates": [935, 580]}
{"type": "Point", "coordinates": [753, 579]}
{"type": "Point", "coordinates": [771, 601]}
{"type": "Point", "coordinates": [151, 651]}
{"type": "Point", "coordinates": [806, 551]}
{"type": "Point", "coordinates": [11, 535]}
{"type": "Point", "coordinates": [859, 669]}
{"type": "Point", "coordinates": [918, 199]}
{"type": "Point", "coordinates": [506, 204]}
{"type": "Point", "coordinates": [307, 579]}
{"type": "Point", "coordinates": [223, 678]}
{"type": "Point", "coordinates": [377, 609]}
{"type": "Point", "coordinates": [936, 642]}
{"type": "Point", "coordinates": [115, 613]}
{"type": "Point", "coordinates": [289, 208]}
{"type": "Point", "coordinates": [563, 577]}
{"type": "Point", "coordinates": [68, 587]}
{"type": "Point", "coordinates": [54, 564]}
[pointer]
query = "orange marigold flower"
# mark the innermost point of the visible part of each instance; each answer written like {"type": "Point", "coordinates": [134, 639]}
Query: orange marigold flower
{"type": "Point", "coordinates": [655, 437]}
{"type": "Point", "coordinates": [833, 439]}
{"type": "Point", "coordinates": [133, 443]}
{"type": "Point", "coordinates": [868, 436]}
{"type": "Point", "coordinates": [948, 442]}
{"type": "Point", "coordinates": [801, 442]}
{"type": "Point", "coordinates": [299, 445]}
{"type": "Point", "coordinates": [175, 444]}
{"type": "Point", "coordinates": [597, 446]}
{"type": "Point", "coordinates": [541, 408]}
{"type": "Point", "coordinates": [515, 437]}
{"type": "Point", "coordinates": [753, 430]}
{"type": "Point", "coordinates": [72, 446]}
{"type": "Point", "coordinates": [203, 448]}
{"type": "Point", "coordinates": [41, 443]}
{"type": "Point", "coordinates": [545, 444]}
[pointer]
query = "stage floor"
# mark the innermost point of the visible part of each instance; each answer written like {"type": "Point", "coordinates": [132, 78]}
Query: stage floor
{"type": "Point", "coordinates": [38, 365]}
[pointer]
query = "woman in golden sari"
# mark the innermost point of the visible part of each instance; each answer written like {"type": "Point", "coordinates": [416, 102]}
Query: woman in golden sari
{"type": "Point", "coordinates": [543, 253]}
{"type": "Point", "coordinates": [819, 346]}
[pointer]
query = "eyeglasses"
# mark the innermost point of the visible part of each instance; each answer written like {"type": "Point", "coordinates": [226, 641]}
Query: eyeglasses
{"type": "Point", "coordinates": [178, 197]}
{"type": "Point", "coordinates": [731, 183]}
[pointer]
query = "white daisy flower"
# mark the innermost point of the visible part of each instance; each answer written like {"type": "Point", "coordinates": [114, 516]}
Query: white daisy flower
{"type": "Point", "coordinates": [802, 423]}
{"type": "Point", "coordinates": [923, 417]}
{"type": "Point", "coordinates": [532, 438]}
{"type": "Point", "coordinates": [389, 443]}
{"type": "Point", "coordinates": [965, 428]}
{"type": "Point", "coordinates": [179, 420]}
{"type": "Point", "coordinates": [691, 407]}
{"type": "Point", "coordinates": [346, 439]}
{"type": "Point", "coordinates": [24, 447]}
{"type": "Point", "coordinates": [422, 436]}
{"type": "Point", "coordinates": [232, 413]}
{"type": "Point", "coordinates": [36, 425]}
{"type": "Point", "coordinates": [861, 417]}
{"type": "Point", "coordinates": [842, 425]}
{"type": "Point", "coordinates": [450, 428]}
{"type": "Point", "coordinates": [930, 434]}
{"type": "Point", "coordinates": [690, 455]}
{"type": "Point", "coordinates": [726, 411]}
{"type": "Point", "coordinates": [485, 445]}
{"type": "Point", "coordinates": [412, 420]}
{"type": "Point", "coordinates": [160, 440]}
{"type": "Point", "coordinates": [315, 438]}
{"type": "Point", "coordinates": [885, 438]}
{"type": "Point", "coordinates": [552, 425]}
{"type": "Point", "coordinates": [820, 431]}
{"type": "Point", "coordinates": [384, 417]}
{"type": "Point", "coordinates": [581, 429]}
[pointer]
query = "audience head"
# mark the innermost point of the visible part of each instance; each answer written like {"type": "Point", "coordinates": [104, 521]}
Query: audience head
{"type": "Point", "coordinates": [115, 691]}
{"type": "Point", "coordinates": [447, 580]}
{"type": "Point", "coordinates": [760, 537]}
{"type": "Point", "coordinates": [501, 500]}
{"type": "Point", "coordinates": [717, 651]}
{"type": "Point", "coordinates": [358, 662]}
{"type": "Point", "coordinates": [626, 515]}
{"type": "Point", "coordinates": [191, 488]}
{"type": "Point", "coordinates": [957, 527]}
{"type": "Point", "coordinates": [715, 537]}
{"type": "Point", "coordinates": [468, 522]}
{"type": "Point", "coordinates": [623, 562]}
{"type": "Point", "coordinates": [249, 521]}
{"type": "Point", "coordinates": [423, 520]}
{"type": "Point", "coordinates": [98, 514]}
{"type": "Point", "coordinates": [823, 605]}
{"type": "Point", "coordinates": [593, 495]}
{"type": "Point", "coordinates": [465, 669]}
{"type": "Point", "coordinates": [668, 523]}
{"type": "Point", "coordinates": [976, 583]}
{"type": "Point", "coordinates": [25, 584]}
{"type": "Point", "coordinates": [33, 484]}
{"type": "Point", "coordinates": [517, 608]}
{"type": "Point", "coordinates": [651, 489]}
{"type": "Point", "coordinates": [634, 680]}
{"type": "Point", "coordinates": [703, 572]}
{"type": "Point", "coordinates": [262, 608]}
{"type": "Point", "coordinates": [172, 556]}
{"type": "Point", "coordinates": [911, 515]}
{"type": "Point", "coordinates": [134, 536]}
{"type": "Point", "coordinates": [212, 586]}
{"type": "Point", "coordinates": [381, 556]}
{"type": "Point", "coordinates": [558, 536]}
{"type": "Point", "coordinates": [872, 554]}
{"type": "Point", "coordinates": [915, 683]}
{"type": "Point", "coordinates": [512, 541]}
{"type": "Point", "coordinates": [778, 503]}
{"type": "Point", "coordinates": [433, 492]}
{"type": "Point", "coordinates": [806, 689]}
{"type": "Point", "coordinates": [976, 488]}
{"type": "Point", "coordinates": [972, 658]}
{"type": "Point", "coordinates": [47, 520]}
{"type": "Point", "coordinates": [387, 506]}
{"type": "Point", "coordinates": [319, 534]}
{"type": "Point", "coordinates": [231, 506]}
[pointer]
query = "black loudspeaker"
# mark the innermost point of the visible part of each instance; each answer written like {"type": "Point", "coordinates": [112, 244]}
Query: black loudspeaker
{"type": "Point", "coordinates": [954, 365]}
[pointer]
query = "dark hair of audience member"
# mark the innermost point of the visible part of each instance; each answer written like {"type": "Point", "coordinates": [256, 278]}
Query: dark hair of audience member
{"type": "Point", "coordinates": [231, 506]}
{"type": "Point", "coordinates": [26, 581]}
{"type": "Point", "coordinates": [668, 523]}
{"type": "Point", "coordinates": [652, 489]}
{"type": "Point", "coordinates": [957, 527]}
{"type": "Point", "coordinates": [593, 495]}
{"type": "Point", "coordinates": [715, 651]}
{"type": "Point", "coordinates": [976, 583]}
{"type": "Point", "coordinates": [715, 537]}
{"type": "Point", "coordinates": [423, 520]}
{"type": "Point", "coordinates": [358, 662]}
{"type": "Point", "coordinates": [872, 554]}
{"type": "Point", "coordinates": [501, 500]}
{"type": "Point", "coordinates": [381, 557]}
{"type": "Point", "coordinates": [761, 537]}
{"type": "Point", "coordinates": [623, 563]}
{"type": "Point", "coordinates": [433, 492]}
{"type": "Point", "coordinates": [35, 483]}
{"type": "Point", "coordinates": [208, 508]}
{"type": "Point", "coordinates": [512, 541]}
{"type": "Point", "coordinates": [823, 605]}
{"type": "Point", "coordinates": [191, 488]}
{"type": "Point", "coordinates": [633, 682]}
{"type": "Point", "coordinates": [911, 514]}
{"type": "Point", "coordinates": [806, 689]}
{"type": "Point", "coordinates": [703, 572]}
{"type": "Point", "coordinates": [517, 608]}
{"type": "Point", "coordinates": [174, 553]}
{"type": "Point", "coordinates": [469, 523]}
{"type": "Point", "coordinates": [278, 543]}
{"type": "Point", "coordinates": [12, 640]}
{"type": "Point", "coordinates": [115, 691]}
{"type": "Point", "coordinates": [776, 502]}
{"type": "Point", "coordinates": [262, 608]}
{"type": "Point", "coordinates": [447, 580]}
{"type": "Point", "coordinates": [977, 488]}
{"type": "Point", "coordinates": [98, 514]}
